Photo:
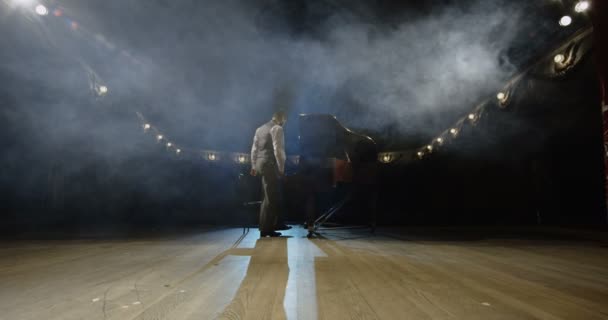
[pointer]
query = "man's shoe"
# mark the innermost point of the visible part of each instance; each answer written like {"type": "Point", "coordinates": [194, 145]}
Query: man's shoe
{"type": "Point", "coordinates": [270, 234]}
{"type": "Point", "coordinates": [282, 227]}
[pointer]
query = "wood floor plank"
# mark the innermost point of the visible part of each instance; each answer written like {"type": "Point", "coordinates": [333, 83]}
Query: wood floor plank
{"type": "Point", "coordinates": [224, 274]}
{"type": "Point", "coordinates": [435, 295]}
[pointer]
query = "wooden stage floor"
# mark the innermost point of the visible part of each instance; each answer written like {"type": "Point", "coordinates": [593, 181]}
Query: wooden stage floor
{"type": "Point", "coordinates": [397, 274]}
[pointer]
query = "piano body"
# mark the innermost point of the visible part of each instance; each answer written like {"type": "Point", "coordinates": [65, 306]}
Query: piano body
{"type": "Point", "coordinates": [335, 163]}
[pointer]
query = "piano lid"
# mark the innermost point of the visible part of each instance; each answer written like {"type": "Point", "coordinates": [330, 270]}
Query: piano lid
{"type": "Point", "coordinates": [322, 136]}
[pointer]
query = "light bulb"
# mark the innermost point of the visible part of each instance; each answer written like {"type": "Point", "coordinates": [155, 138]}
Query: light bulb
{"type": "Point", "coordinates": [559, 58]}
{"type": "Point", "coordinates": [41, 10]}
{"type": "Point", "coordinates": [582, 6]}
{"type": "Point", "coordinates": [565, 21]}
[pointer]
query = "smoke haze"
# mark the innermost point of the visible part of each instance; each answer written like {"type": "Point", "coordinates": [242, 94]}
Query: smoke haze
{"type": "Point", "coordinates": [208, 73]}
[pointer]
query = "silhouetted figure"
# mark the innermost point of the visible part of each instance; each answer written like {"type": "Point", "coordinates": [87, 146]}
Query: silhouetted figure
{"type": "Point", "coordinates": [268, 160]}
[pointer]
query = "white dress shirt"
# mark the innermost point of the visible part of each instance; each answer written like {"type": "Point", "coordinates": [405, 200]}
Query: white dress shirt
{"type": "Point", "coordinates": [278, 144]}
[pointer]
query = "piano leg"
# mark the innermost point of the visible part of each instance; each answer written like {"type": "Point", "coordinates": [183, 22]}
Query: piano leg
{"type": "Point", "coordinates": [329, 213]}
{"type": "Point", "coordinates": [365, 197]}
{"type": "Point", "coordinates": [310, 213]}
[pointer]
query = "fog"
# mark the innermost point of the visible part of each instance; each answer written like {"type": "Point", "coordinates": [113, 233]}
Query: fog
{"type": "Point", "coordinates": [207, 73]}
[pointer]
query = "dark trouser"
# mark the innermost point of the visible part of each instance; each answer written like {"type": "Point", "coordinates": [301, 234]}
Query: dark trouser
{"type": "Point", "coordinates": [271, 201]}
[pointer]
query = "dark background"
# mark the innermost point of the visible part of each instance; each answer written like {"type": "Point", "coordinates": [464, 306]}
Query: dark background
{"type": "Point", "coordinates": [71, 159]}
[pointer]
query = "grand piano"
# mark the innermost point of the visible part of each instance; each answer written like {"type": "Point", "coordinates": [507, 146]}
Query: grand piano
{"type": "Point", "coordinates": [336, 166]}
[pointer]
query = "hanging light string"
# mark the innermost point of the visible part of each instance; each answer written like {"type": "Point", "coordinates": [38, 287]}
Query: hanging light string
{"type": "Point", "coordinates": [563, 62]}
{"type": "Point", "coordinates": [503, 97]}
{"type": "Point", "coordinates": [96, 84]}
{"type": "Point", "coordinates": [180, 151]}
{"type": "Point", "coordinates": [99, 88]}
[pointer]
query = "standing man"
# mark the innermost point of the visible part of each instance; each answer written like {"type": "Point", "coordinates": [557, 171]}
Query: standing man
{"type": "Point", "coordinates": [268, 160]}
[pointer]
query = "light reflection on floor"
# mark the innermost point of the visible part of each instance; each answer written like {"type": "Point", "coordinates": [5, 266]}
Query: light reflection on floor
{"type": "Point", "coordinates": [301, 285]}
{"type": "Point", "coordinates": [219, 272]}
{"type": "Point", "coordinates": [281, 273]}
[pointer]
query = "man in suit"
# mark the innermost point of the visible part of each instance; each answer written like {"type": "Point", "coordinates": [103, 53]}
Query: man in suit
{"type": "Point", "coordinates": [268, 160]}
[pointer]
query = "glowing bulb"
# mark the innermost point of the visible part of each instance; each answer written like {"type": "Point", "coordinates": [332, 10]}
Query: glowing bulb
{"type": "Point", "coordinates": [241, 159]}
{"type": "Point", "coordinates": [472, 116]}
{"type": "Point", "coordinates": [159, 137]}
{"type": "Point", "coordinates": [41, 10]}
{"type": "Point", "coordinates": [454, 131]}
{"type": "Point", "coordinates": [439, 140]}
{"type": "Point", "coordinates": [169, 144]}
{"type": "Point", "coordinates": [386, 158]}
{"type": "Point", "coordinates": [147, 126]}
{"type": "Point", "coordinates": [582, 6]}
{"type": "Point", "coordinates": [565, 21]}
{"type": "Point", "coordinates": [559, 58]}
{"type": "Point", "coordinates": [429, 147]}
{"type": "Point", "coordinates": [178, 151]}
{"type": "Point", "coordinates": [501, 96]}
{"type": "Point", "coordinates": [103, 90]}
{"type": "Point", "coordinates": [211, 156]}
{"type": "Point", "coordinates": [420, 154]}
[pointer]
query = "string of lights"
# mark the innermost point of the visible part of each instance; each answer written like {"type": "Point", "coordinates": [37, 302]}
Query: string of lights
{"type": "Point", "coordinates": [100, 89]}
{"type": "Point", "coordinates": [179, 151]}
{"type": "Point", "coordinates": [563, 61]}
